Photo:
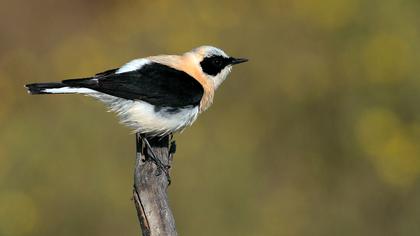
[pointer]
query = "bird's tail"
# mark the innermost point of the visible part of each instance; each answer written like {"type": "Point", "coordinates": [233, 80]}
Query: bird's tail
{"type": "Point", "coordinates": [56, 88]}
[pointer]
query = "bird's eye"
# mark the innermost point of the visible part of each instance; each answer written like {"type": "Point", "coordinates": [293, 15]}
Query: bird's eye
{"type": "Point", "coordinates": [213, 65]}
{"type": "Point", "coordinates": [217, 62]}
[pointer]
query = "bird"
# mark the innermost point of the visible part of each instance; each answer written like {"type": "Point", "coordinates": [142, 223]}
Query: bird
{"type": "Point", "coordinates": [155, 95]}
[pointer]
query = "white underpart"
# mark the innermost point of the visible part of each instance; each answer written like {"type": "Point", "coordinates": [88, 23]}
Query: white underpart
{"type": "Point", "coordinates": [133, 65]}
{"type": "Point", "coordinates": [143, 117]}
{"type": "Point", "coordinates": [69, 90]}
{"type": "Point", "coordinates": [160, 122]}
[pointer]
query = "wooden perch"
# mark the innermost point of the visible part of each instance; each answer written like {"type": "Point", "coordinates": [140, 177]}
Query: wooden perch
{"type": "Point", "coordinates": [150, 187]}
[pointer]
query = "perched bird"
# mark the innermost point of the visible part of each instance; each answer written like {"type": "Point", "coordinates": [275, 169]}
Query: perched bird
{"type": "Point", "coordinates": [156, 95]}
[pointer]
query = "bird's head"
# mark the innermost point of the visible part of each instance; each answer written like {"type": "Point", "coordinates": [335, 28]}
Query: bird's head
{"type": "Point", "coordinates": [215, 63]}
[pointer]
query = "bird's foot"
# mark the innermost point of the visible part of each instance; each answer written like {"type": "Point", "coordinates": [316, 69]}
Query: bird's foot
{"type": "Point", "coordinates": [160, 166]}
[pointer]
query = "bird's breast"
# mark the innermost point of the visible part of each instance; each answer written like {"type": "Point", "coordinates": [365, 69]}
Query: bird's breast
{"type": "Point", "coordinates": [154, 120]}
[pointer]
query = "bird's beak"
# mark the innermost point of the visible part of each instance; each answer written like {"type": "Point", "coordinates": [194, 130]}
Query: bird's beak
{"type": "Point", "coordinates": [235, 61]}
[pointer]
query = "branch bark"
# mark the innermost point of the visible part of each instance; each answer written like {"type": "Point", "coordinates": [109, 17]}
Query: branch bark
{"type": "Point", "coordinates": [150, 188]}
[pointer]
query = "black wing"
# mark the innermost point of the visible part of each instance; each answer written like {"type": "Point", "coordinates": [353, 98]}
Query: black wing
{"type": "Point", "coordinates": [154, 83]}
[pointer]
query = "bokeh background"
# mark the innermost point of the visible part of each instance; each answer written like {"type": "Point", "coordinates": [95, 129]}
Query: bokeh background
{"type": "Point", "coordinates": [319, 134]}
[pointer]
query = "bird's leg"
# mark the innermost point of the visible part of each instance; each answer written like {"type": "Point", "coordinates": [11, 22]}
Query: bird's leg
{"type": "Point", "coordinates": [157, 161]}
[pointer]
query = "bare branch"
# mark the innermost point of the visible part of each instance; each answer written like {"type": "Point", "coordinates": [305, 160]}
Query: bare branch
{"type": "Point", "coordinates": [150, 188]}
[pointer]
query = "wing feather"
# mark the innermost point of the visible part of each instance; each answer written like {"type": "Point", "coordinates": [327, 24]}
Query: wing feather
{"type": "Point", "coordinates": [154, 83]}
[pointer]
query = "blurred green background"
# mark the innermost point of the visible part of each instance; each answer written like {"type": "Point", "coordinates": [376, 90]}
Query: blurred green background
{"type": "Point", "coordinates": [319, 134]}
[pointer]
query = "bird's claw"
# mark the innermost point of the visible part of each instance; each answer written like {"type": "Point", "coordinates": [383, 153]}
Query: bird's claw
{"type": "Point", "coordinates": [160, 166]}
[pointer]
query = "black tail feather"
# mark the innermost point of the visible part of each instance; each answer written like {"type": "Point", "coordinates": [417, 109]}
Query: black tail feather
{"type": "Point", "coordinates": [39, 88]}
